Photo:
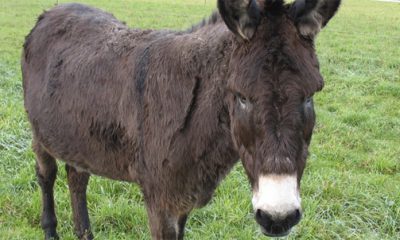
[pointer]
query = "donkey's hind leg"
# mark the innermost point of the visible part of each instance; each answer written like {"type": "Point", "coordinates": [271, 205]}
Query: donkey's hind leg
{"type": "Point", "coordinates": [46, 171]}
{"type": "Point", "coordinates": [77, 183]}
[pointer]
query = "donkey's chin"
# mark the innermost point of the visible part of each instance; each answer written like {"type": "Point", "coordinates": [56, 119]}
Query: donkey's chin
{"type": "Point", "coordinates": [274, 234]}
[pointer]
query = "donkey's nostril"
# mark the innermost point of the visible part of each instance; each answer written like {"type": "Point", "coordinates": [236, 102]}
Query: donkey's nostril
{"type": "Point", "coordinates": [293, 218]}
{"type": "Point", "coordinates": [263, 218]}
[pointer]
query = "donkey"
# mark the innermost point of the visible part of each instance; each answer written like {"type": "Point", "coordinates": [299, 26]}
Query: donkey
{"type": "Point", "coordinates": [173, 111]}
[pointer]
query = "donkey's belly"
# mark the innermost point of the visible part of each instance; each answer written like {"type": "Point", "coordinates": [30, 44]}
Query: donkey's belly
{"type": "Point", "coordinates": [88, 154]}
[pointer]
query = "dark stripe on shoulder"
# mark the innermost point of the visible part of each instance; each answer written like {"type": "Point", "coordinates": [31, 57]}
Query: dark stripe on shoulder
{"type": "Point", "coordinates": [140, 75]}
{"type": "Point", "coordinates": [192, 105]}
{"type": "Point", "coordinates": [141, 69]}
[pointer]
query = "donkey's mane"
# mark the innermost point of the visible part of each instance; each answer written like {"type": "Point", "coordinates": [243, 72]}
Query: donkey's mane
{"type": "Point", "coordinates": [213, 19]}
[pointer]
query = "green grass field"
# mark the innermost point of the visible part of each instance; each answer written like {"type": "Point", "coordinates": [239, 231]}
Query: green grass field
{"type": "Point", "coordinates": [351, 187]}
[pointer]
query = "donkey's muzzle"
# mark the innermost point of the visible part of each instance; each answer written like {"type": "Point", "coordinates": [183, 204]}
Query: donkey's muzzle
{"type": "Point", "coordinates": [277, 226]}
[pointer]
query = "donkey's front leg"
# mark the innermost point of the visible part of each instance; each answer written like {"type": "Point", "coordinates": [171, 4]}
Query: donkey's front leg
{"type": "Point", "coordinates": [181, 224]}
{"type": "Point", "coordinates": [163, 225]}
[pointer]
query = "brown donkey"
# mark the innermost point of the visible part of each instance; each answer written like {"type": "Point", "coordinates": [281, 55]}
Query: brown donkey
{"type": "Point", "coordinates": [173, 111]}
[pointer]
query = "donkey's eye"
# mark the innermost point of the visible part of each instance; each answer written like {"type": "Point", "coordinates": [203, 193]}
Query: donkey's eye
{"type": "Point", "coordinates": [308, 100]}
{"type": "Point", "coordinates": [242, 100]}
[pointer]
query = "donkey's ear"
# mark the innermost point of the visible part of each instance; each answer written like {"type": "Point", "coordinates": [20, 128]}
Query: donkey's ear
{"type": "Point", "coordinates": [241, 16]}
{"type": "Point", "coordinates": [312, 15]}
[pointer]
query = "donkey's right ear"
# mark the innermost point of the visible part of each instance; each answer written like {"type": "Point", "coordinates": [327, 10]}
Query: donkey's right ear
{"type": "Point", "coordinates": [312, 15]}
{"type": "Point", "coordinates": [241, 16]}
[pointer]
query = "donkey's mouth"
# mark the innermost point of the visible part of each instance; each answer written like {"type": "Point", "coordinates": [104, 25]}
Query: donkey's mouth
{"type": "Point", "coordinates": [273, 233]}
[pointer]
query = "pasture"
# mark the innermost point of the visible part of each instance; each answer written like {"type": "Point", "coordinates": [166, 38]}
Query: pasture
{"type": "Point", "coordinates": [351, 186]}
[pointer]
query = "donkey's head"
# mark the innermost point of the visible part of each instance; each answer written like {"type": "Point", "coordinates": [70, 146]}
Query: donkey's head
{"type": "Point", "coordinates": [273, 75]}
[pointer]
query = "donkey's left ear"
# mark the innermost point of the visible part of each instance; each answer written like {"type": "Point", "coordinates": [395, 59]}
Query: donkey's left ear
{"type": "Point", "coordinates": [310, 16]}
{"type": "Point", "coordinates": [241, 16]}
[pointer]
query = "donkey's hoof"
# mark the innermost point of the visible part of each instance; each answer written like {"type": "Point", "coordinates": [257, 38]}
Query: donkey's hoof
{"type": "Point", "coordinates": [87, 235]}
{"type": "Point", "coordinates": [51, 235]}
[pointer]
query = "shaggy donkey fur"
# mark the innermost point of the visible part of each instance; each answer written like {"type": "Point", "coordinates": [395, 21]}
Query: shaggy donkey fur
{"type": "Point", "coordinates": [172, 111]}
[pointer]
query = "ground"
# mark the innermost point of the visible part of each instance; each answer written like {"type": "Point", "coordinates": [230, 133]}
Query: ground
{"type": "Point", "coordinates": [351, 186]}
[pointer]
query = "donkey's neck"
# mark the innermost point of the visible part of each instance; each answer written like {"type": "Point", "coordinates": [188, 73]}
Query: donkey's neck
{"type": "Point", "coordinates": [208, 123]}
{"type": "Point", "coordinates": [209, 57]}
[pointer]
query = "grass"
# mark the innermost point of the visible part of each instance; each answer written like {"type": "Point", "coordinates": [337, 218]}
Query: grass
{"type": "Point", "coordinates": [351, 187]}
